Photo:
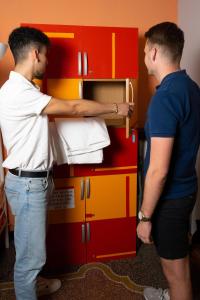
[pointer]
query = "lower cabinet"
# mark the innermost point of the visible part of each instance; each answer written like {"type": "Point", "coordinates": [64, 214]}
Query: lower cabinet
{"type": "Point", "coordinates": [92, 219]}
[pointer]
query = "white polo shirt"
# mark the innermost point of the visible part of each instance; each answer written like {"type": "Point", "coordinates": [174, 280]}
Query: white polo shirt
{"type": "Point", "coordinates": [25, 130]}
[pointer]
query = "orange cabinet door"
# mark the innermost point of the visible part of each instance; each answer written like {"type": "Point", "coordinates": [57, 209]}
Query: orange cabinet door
{"type": "Point", "coordinates": [110, 196]}
{"type": "Point", "coordinates": [68, 203]}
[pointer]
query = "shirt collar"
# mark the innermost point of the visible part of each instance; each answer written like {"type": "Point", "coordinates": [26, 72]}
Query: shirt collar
{"type": "Point", "coordinates": [18, 76]}
{"type": "Point", "coordinates": [171, 76]}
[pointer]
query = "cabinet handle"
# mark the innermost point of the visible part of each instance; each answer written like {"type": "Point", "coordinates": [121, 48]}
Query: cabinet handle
{"type": "Point", "coordinates": [88, 232]}
{"type": "Point", "coordinates": [85, 59]}
{"type": "Point", "coordinates": [80, 87]}
{"type": "Point", "coordinates": [127, 100]}
{"type": "Point", "coordinates": [79, 64]}
{"type": "Point", "coordinates": [83, 232]}
{"type": "Point", "coordinates": [82, 189]}
{"type": "Point", "coordinates": [88, 187]}
{"type": "Point", "coordinates": [132, 92]}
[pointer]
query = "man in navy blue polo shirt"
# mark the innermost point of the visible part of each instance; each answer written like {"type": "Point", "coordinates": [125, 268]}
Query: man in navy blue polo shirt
{"type": "Point", "coordinates": [173, 136]}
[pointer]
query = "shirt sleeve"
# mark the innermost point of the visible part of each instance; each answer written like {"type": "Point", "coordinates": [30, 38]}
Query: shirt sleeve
{"type": "Point", "coordinates": [34, 101]}
{"type": "Point", "coordinates": [164, 115]}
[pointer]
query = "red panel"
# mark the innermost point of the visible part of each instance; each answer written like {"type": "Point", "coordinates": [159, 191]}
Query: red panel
{"type": "Point", "coordinates": [62, 171]}
{"type": "Point", "coordinates": [97, 43]}
{"type": "Point", "coordinates": [126, 41]}
{"type": "Point", "coordinates": [121, 153]}
{"type": "Point", "coordinates": [111, 238]}
{"type": "Point", "coordinates": [64, 246]}
{"type": "Point", "coordinates": [63, 57]}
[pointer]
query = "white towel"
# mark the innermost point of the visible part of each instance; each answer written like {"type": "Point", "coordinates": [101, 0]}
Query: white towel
{"type": "Point", "coordinates": [79, 140]}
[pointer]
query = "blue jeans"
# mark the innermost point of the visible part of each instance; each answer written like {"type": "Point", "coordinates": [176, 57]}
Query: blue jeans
{"type": "Point", "coordinates": [28, 199]}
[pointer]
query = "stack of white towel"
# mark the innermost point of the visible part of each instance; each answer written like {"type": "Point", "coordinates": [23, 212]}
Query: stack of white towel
{"type": "Point", "coordinates": [79, 140]}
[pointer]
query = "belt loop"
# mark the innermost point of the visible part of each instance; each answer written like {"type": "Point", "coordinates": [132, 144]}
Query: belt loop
{"type": "Point", "coordinates": [48, 174]}
{"type": "Point", "coordinates": [20, 170]}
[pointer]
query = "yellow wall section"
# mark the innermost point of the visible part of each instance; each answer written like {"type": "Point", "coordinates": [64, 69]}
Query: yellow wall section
{"type": "Point", "coordinates": [64, 88]}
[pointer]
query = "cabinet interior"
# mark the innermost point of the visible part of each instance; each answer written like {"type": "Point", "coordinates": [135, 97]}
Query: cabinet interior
{"type": "Point", "coordinates": [106, 91]}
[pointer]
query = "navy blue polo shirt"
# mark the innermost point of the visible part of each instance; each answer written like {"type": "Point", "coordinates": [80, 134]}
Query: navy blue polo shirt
{"type": "Point", "coordinates": [174, 111]}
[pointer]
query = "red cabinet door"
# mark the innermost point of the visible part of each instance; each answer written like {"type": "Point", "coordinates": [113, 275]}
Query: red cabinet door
{"type": "Point", "coordinates": [63, 57]}
{"type": "Point", "coordinates": [110, 52]}
{"type": "Point", "coordinates": [63, 53]}
{"type": "Point", "coordinates": [96, 52]}
{"type": "Point", "coordinates": [119, 156]}
{"type": "Point", "coordinates": [126, 52]}
{"type": "Point", "coordinates": [112, 239]}
{"type": "Point", "coordinates": [65, 246]}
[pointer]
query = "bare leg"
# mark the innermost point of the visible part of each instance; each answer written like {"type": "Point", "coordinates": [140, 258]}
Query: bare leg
{"type": "Point", "coordinates": [177, 273]}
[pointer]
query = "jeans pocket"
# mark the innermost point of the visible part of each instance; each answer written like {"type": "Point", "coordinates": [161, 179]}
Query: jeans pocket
{"type": "Point", "coordinates": [37, 185]}
{"type": "Point", "coordinates": [12, 197]}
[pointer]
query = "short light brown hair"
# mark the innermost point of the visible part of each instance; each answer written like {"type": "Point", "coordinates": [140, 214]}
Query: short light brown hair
{"type": "Point", "coordinates": [170, 36]}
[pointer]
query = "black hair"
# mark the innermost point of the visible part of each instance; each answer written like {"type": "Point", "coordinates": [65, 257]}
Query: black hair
{"type": "Point", "coordinates": [22, 38]}
{"type": "Point", "coordinates": [170, 36]}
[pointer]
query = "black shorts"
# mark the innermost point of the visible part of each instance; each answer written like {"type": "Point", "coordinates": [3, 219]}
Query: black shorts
{"type": "Point", "coordinates": [170, 227]}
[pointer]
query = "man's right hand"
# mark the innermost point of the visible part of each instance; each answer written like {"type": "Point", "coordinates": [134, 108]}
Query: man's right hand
{"type": "Point", "coordinates": [125, 109]}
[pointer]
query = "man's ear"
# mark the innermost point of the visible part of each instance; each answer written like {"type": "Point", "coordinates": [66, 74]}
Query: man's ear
{"type": "Point", "coordinates": [35, 54]}
{"type": "Point", "coordinates": [154, 53]}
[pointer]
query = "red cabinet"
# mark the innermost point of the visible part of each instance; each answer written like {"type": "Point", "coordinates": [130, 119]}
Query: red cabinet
{"type": "Point", "coordinates": [100, 222]}
{"type": "Point", "coordinates": [91, 51]}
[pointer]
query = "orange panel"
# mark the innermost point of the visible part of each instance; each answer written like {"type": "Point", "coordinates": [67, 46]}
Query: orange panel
{"type": "Point", "coordinates": [77, 211]}
{"type": "Point", "coordinates": [107, 197]}
{"type": "Point", "coordinates": [64, 88]}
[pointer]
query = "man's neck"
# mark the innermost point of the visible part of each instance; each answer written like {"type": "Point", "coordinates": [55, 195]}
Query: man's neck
{"type": "Point", "coordinates": [166, 70]}
{"type": "Point", "coordinates": [27, 73]}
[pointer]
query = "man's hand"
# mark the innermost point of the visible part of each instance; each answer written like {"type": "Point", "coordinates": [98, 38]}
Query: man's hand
{"type": "Point", "coordinates": [125, 109]}
{"type": "Point", "coordinates": [144, 232]}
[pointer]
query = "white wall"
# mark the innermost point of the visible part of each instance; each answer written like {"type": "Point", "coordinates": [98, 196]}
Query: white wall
{"type": "Point", "coordinates": [189, 22]}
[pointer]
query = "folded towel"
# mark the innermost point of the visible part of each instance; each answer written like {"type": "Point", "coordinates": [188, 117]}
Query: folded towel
{"type": "Point", "coordinates": [79, 140]}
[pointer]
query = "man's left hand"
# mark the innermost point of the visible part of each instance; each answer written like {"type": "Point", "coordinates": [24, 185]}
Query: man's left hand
{"type": "Point", "coordinates": [144, 232]}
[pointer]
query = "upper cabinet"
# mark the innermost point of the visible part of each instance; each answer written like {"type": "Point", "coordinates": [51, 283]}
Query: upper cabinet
{"type": "Point", "coordinates": [126, 52]}
{"type": "Point", "coordinates": [96, 52]}
{"type": "Point", "coordinates": [91, 51]}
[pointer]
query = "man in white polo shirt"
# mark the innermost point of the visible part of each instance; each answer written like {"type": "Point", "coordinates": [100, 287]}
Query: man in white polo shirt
{"type": "Point", "coordinates": [25, 131]}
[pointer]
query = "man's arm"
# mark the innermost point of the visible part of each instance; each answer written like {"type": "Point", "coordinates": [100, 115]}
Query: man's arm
{"type": "Point", "coordinates": [160, 156]}
{"type": "Point", "coordinates": [85, 107]}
